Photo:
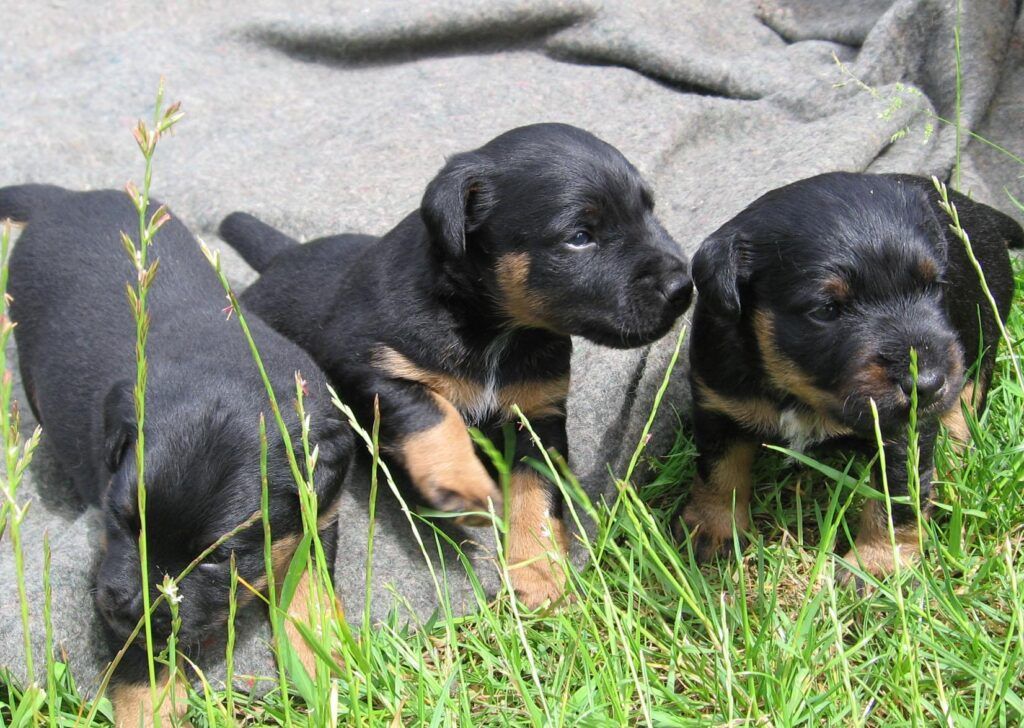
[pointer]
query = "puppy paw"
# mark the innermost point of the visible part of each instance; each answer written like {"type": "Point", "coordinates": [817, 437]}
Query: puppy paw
{"type": "Point", "coordinates": [710, 531]}
{"type": "Point", "coordinates": [133, 705]}
{"type": "Point", "coordinates": [538, 584]}
{"type": "Point", "coordinates": [475, 498]}
{"type": "Point", "coordinates": [877, 558]}
{"type": "Point", "coordinates": [537, 547]}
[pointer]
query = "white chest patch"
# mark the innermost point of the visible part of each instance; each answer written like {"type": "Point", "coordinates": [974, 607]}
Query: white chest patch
{"type": "Point", "coordinates": [485, 403]}
{"type": "Point", "coordinates": [802, 429]}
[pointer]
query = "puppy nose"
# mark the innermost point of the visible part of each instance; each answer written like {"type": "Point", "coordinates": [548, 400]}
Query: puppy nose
{"type": "Point", "coordinates": [928, 385]}
{"type": "Point", "coordinates": [677, 287]}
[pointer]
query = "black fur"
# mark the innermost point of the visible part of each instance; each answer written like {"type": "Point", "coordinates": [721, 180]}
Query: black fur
{"type": "Point", "coordinates": [910, 284]}
{"type": "Point", "coordinates": [549, 198]}
{"type": "Point", "coordinates": [76, 344]}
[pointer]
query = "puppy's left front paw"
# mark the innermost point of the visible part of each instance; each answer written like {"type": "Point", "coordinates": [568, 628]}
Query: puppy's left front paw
{"type": "Point", "coordinates": [710, 531]}
{"type": "Point", "coordinates": [538, 584]}
{"type": "Point", "coordinates": [535, 564]}
{"type": "Point", "coordinates": [878, 558]}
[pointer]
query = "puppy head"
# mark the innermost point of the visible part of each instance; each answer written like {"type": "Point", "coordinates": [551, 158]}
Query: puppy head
{"type": "Point", "coordinates": [835, 279]}
{"type": "Point", "coordinates": [202, 481]}
{"type": "Point", "coordinates": [560, 229]}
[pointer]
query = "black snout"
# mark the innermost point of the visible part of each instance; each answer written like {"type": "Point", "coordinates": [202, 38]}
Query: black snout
{"type": "Point", "coordinates": [675, 284]}
{"type": "Point", "coordinates": [677, 288]}
{"type": "Point", "coordinates": [929, 383]}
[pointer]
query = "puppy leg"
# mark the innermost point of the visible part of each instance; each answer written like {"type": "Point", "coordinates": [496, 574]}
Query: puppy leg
{"type": "Point", "coordinates": [725, 457]}
{"type": "Point", "coordinates": [132, 698]}
{"type": "Point", "coordinates": [874, 550]}
{"type": "Point", "coordinates": [537, 541]}
{"type": "Point", "coordinates": [306, 608]}
{"type": "Point", "coordinates": [429, 438]}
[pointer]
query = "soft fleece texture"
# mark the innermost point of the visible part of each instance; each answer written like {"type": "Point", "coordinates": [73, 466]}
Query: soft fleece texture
{"type": "Point", "coordinates": [323, 117]}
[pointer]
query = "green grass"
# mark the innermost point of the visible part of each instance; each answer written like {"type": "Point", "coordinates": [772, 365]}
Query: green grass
{"type": "Point", "coordinates": [653, 639]}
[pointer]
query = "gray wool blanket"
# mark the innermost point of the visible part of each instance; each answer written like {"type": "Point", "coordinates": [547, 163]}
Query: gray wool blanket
{"type": "Point", "coordinates": [329, 116]}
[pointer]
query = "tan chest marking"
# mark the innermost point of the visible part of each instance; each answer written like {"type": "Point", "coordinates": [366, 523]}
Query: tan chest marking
{"type": "Point", "coordinates": [800, 428]}
{"type": "Point", "coordinates": [477, 401]}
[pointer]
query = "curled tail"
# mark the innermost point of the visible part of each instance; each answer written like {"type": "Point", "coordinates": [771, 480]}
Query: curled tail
{"type": "Point", "coordinates": [20, 202]}
{"type": "Point", "coordinates": [255, 241]}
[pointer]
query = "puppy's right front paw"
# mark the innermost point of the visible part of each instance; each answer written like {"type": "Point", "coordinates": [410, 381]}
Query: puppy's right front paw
{"type": "Point", "coordinates": [474, 497]}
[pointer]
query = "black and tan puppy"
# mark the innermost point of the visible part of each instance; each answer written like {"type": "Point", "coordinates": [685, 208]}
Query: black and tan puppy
{"type": "Point", "coordinates": [76, 345]}
{"type": "Point", "coordinates": [467, 306]}
{"type": "Point", "coordinates": [810, 301]}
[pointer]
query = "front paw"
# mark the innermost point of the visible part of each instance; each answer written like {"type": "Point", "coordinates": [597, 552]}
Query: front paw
{"type": "Point", "coordinates": [878, 558]}
{"type": "Point", "coordinates": [538, 584]}
{"type": "Point", "coordinates": [712, 532]}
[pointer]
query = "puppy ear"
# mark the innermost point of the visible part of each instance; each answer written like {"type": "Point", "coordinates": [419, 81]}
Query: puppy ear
{"type": "Point", "coordinates": [718, 268]}
{"type": "Point", "coordinates": [119, 426]}
{"type": "Point", "coordinates": [457, 201]}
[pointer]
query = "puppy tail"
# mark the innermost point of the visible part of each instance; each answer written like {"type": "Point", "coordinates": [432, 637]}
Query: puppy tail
{"type": "Point", "coordinates": [20, 202]}
{"type": "Point", "coordinates": [255, 241]}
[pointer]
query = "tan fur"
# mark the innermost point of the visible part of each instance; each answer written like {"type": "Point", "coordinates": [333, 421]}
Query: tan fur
{"type": "Point", "coordinates": [537, 399]}
{"type": "Point", "coordinates": [133, 704]}
{"type": "Point", "coordinates": [783, 372]}
{"type": "Point", "coordinates": [927, 270]}
{"type": "Point", "coordinates": [462, 393]}
{"type": "Point", "coordinates": [308, 610]}
{"type": "Point", "coordinates": [762, 415]}
{"type": "Point", "coordinates": [755, 412]}
{"type": "Point", "coordinates": [522, 306]}
{"type": "Point", "coordinates": [536, 542]}
{"type": "Point", "coordinates": [710, 511]}
{"type": "Point", "coordinates": [282, 549]}
{"type": "Point", "coordinates": [838, 288]}
{"type": "Point", "coordinates": [873, 549]}
{"type": "Point", "coordinates": [442, 458]}
{"type": "Point", "coordinates": [955, 422]}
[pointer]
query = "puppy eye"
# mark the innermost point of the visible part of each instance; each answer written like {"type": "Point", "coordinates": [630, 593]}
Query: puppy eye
{"type": "Point", "coordinates": [580, 239]}
{"type": "Point", "coordinates": [828, 312]}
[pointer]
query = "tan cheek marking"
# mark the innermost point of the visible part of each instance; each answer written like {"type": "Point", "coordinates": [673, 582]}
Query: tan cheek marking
{"type": "Point", "coordinates": [537, 542]}
{"type": "Point", "coordinates": [954, 420]}
{"type": "Point", "coordinates": [874, 551]}
{"type": "Point", "coordinates": [536, 398]}
{"type": "Point", "coordinates": [783, 372]}
{"type": "Point", "coordinates": [710, 509]}
{"type": "Point", "coordinates": [462, 393]}
{"type": "Point", "coordinates": [282, 549]}
{"type": "Point", "coordinates": [442, 463]}
{"type": "Point", "coordinates": [133, 704]}
{"type": "Point", "coordinates": [522, 306]}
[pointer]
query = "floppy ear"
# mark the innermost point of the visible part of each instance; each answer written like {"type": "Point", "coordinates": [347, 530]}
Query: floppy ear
{"type": "Point", "coordinates": [717, 270]}
{"type": "Point", "coordinates": [119, 426]}
{"type": "Point", "coordinates": [457, 201]}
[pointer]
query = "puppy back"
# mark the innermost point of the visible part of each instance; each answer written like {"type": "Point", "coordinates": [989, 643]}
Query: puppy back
{"type": "Point", "coordinates": [20, 202]}
{"type": "Point", "coordinates": [257, 242]}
